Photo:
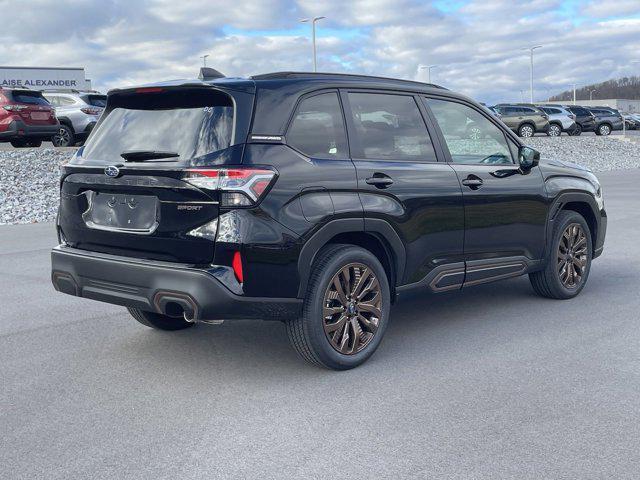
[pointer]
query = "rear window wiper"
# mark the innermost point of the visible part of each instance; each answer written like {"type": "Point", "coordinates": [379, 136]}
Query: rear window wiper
{"type": "Point", "coordinates": [144, 155]}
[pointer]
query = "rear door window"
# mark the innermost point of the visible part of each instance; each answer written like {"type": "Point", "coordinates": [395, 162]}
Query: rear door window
{"type": "Point", "coordinates": [190, 122]}
{"type": "Point", "coordinates": [317, 129]}
{"type": "Point", "coordinates": [96, 100]}
{"type": "Point", "coordinates": [389, 127]}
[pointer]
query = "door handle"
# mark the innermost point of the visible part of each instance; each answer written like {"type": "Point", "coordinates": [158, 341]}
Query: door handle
{"type": "Point", "coordinates": [379, 180]}
{"type": "Point", "coordinates": [472, 182]}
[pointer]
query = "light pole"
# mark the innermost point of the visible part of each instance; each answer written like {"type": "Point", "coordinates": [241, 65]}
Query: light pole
{"type": "Point", "coordinates": [428, 67]}
{"type": "Point", "coordinates": [204, 60]}
{"type": "Point", "coordinates": [591, 94]}
{"type": "Point", "coordinates": [574, 85]}
{"type": "Point", "coordinates": [531, 49]}
{"type": "Point", "coordinates": [313, 37]}
{"type": "Point", "coordinates": [522, 96]}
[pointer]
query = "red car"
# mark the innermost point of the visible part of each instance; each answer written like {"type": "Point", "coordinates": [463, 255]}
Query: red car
{"type": "Point", "coordinates": [26, 118]}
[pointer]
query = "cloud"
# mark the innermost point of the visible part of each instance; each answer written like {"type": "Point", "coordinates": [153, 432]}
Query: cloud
{"type": "Point", "coordinates": [477, 44]}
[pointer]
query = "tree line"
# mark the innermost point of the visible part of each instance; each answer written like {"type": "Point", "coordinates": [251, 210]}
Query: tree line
{"type": "Point", "coordinates": [626, 87]}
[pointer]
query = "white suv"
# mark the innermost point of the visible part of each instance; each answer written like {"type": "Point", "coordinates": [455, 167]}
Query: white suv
{"type": "Point", "coordinates": [77, 111]}
{"type": "Point", "coordinates": [560, 120]}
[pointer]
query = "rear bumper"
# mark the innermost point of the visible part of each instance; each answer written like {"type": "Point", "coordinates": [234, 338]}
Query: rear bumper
{"type": "Point", "coordinates": [18, 129]}
{"type": "Point", "coordinates": [160, 287]}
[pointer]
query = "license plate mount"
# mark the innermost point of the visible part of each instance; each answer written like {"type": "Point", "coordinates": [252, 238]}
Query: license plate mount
{"type": "Point", "coordinates": [126, 213]}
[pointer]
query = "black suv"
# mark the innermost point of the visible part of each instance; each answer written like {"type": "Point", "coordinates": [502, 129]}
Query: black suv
{"type": "Point", "coordinates": [585, 120]}
{"type": "Point", "coordinates": [314, 199]}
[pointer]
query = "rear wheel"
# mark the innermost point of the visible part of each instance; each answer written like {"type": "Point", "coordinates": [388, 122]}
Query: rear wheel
{"type": "Point", "coordinates": [64, 137]}
{"type": "Point", "coordinates": [576, 131]}
{"type": "Point", "coordinates": [346, 309]}
{"type": "Point", "coordinates": [569, 263]}
{"type": "Point", "coordinates": [526, 131]}
{"type": "Point", "coordinates": [158, 321]}
{"type": "Point", "coordinates": [604, 130]}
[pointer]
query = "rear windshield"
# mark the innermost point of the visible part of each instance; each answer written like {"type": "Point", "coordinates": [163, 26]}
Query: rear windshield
{"type": "Point", "coordinates": [96, 100]}
{"type": "Point", "coordinates": [32, 98]}
{"type": "Point", "coordinates": [191, 123]}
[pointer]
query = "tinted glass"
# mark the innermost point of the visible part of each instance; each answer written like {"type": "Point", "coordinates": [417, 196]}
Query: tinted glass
{"type": "Point", "coordinates": [470, 136]}
{"type": "Point", "coordinates": [96, 100]}
{"type": "Point", "coordinates": [390, 127]}
{"type": "Point", "coordinates": [191, 124]}
{"type": "Point", "coordinates": [66, 101]}
{"type": "Point", "coordinates": [53, 101]}
{"type": "Point", "coordinates": [32, 98]}
{"type": "Point", "coordinates": [317, 130]}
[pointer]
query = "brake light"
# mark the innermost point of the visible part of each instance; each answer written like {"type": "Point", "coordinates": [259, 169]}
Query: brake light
{"type": "Point", "coordinates": [149, 90]}
{"type": "Point", "coordinates": [14, 108]}
{"type": "Point", "coordinates": [236, 264]}
{"type": "Point", "coordinates": [239, 187]}
{"type": "Point", "coordinates": [91, 111]}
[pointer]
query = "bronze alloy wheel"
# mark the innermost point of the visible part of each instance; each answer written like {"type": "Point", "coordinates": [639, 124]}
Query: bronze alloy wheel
{"type": "Point", "coordinates": [572, 256]}
{"type": "Point", "coordinates": [352, 308]}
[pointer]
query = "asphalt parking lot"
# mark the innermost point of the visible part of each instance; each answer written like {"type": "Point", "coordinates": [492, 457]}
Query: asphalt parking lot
{"type": "Point", "coordinates": [493, 382]}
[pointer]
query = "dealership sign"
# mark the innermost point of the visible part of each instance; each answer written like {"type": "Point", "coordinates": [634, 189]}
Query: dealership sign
{"type": "Point", "coordinates": [42, 78]}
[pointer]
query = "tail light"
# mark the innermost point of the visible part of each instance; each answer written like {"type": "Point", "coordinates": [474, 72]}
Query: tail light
{"type": "Point", "coordinates": [91, 111]}
{"type": "Point", "coordinates": [15, 108]}
{"type": "Point", "coordinates": [238, 187]}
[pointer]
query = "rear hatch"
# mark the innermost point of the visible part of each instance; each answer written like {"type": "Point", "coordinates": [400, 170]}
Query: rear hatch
{"type": "Point", "coordinates": [124, 192]}
{"type": "Point", "coordinates": [33, 108]}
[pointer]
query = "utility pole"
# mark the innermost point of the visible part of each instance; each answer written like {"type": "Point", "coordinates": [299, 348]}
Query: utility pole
{"type": "Point", "coordinates": [428, 67]}
{"type": "Point", "coordinates": [204, 60]}
{"type": "Point", "coordinates": [313, 37]}
{"type": "Point", "coordinates": [531, 49]}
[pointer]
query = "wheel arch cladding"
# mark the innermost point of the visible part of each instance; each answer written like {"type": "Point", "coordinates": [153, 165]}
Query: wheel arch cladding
{"type": "Point", "coordinates": [384, 243]}
{"type": "Point", "coordinates": [584, 209]}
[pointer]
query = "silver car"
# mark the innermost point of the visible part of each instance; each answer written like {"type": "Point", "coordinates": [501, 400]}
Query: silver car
{"type": "Point", "coordinates": [560, 120]}
{"type": "Point", "coordinates": [77, 111]}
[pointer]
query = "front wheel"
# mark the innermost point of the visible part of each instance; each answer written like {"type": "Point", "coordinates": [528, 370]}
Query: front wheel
{"type": "Point", "coordinates": [569, 262]}
{"type": "Point", "coordinates": [604, 130]}
{"type": "Point", "coordinates": [346, 309]}
{"type": "Point", "coordinates": [526, 131]}
{"type": "Point", "coordinates": [555, 130]}
{"type": "Point", "coordinates": [577, 131]}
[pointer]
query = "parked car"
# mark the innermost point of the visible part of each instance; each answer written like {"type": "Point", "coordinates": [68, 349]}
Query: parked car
{"type": "Point", "coordinates": [560, 120]}
{"type": "Point", "coordinates": [607, 120]}
{"type": "Point", "coordinates": [524, 120]}
{"type": "Point", "coordinates": [585, 120]}
{"type": "Point", "coordinates": [314, 199]}
{"type": "Point", "coordinates": [632, 121]}
{"type": "Point", "coordinates": [78, 112]}
{"type": "Point", "coordinates": [26, 118]}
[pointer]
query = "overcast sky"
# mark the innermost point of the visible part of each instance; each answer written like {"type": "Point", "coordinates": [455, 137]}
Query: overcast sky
{"type": "Point", "coordinates": [477, 44]}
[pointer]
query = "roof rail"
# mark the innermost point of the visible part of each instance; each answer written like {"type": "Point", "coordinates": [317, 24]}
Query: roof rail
{"type": "Point", "coordinates": [276, 75]}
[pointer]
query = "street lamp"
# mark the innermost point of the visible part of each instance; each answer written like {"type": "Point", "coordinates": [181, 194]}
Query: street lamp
{"type": "Point", "coordinates": [313, 36]}
{"type": "Point", "coordinates": [204, 60]}
{"type": "Point", "coordinates": [574, 85]}
{"type": "Point", "coordinates": [428, 67]}
{"type": "Point", "coordinates": [531, 49]}
{"type": "Point", "coordinates": [591, 94]}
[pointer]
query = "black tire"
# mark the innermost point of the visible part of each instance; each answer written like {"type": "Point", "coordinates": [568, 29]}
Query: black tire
{"type": "Point", "coordinates": [307, 333]}
{"type": "Point", "coordinates": [65, 137]}
{"type": "Point", "coordinates": [526, 130]}
{"type": "Point", "coordinates": [26, 143]}
{"type": "Point", "coordinates": [577, 131]}
{"type": "Point", "coordinates": [548, 282]}
{"type": "Point", "coordinates": [555, 130]}
{"type": "Point", "coordinates": [158, 321]}
{"type": "Point", "coordinates": [603, 130]}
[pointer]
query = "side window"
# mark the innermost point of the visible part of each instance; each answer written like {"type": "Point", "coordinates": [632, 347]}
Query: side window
{"type": "Point", "coordinates": [52, 100]}
{"type": "Point", "coordinates": [470, 136]}
{"type": "Point", "coordinates": [317, 130]}
{"type": "Point", "coordinates": [66, 101]}
{"type": "Point", "coordinates": [390, 127]}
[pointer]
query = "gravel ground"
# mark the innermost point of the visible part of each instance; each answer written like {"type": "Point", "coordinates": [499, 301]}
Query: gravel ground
{"type": "Point", "coordinates": [29, 177]}
{"type": "Point", "coordinates": [29, 184]}
{"type": "Point", "coordinates": [600, 154]}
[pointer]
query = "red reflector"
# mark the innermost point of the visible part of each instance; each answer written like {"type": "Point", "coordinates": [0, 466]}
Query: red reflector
{"type": "Point", "coordinates": [237, 266]}
{"type": "Point", "coordinates": [149, 90]}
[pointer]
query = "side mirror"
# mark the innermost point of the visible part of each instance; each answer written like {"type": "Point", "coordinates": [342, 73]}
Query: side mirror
{"type": "Point", "coordinates": [528, 158]}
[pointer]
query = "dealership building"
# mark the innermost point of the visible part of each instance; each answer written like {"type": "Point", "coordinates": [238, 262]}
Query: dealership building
{"type": "Point", "coordinates": [44, 78]}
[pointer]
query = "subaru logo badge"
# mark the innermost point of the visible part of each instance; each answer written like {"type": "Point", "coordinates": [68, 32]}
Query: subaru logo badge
{"type": "Point", "coordinates": [112, 171]}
